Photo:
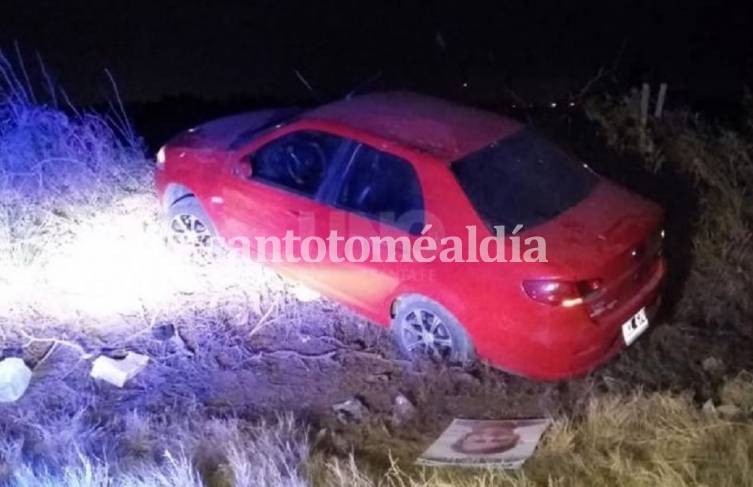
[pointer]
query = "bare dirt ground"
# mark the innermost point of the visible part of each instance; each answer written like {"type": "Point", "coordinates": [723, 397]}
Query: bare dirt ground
{"type": "Point", "coordinates": [307, 358]}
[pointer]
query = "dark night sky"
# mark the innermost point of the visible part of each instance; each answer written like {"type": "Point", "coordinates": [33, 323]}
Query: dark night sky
{"type": "Point", "coordinates": [218, 49]}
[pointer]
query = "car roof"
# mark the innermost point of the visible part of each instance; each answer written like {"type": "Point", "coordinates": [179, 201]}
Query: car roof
{"type": "Point", "coordinates": [431, 125]}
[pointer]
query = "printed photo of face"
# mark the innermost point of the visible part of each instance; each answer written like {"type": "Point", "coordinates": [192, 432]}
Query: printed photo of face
{"type": "Point", "coordinates": [487, 440]}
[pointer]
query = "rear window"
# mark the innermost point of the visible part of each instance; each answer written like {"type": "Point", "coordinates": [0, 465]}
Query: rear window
{"type": "Point", "coordinates": [522, 180]}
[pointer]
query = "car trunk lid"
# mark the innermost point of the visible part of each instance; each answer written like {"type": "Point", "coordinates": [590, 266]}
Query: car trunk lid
{"type": "Point", "coordinates": [612, 236]}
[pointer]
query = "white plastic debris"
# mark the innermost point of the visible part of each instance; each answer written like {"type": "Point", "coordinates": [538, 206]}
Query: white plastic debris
{"type": "Point", "coordinates": [708, 407]}
{"type": "Point", "coordinates": [713, 365]}
{"type": "Point", "coordinates": [354, 409]}
{"type": "Point", "coordinates": [403, 409]}
{"type": "Point", "coordinates": [118, 372]}
{"type": "Point", "coordinates": [14, 379]}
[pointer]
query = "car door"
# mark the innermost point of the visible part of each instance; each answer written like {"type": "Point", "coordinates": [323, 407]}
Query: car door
{"type": "Point", "coordinates": [275, 187]}
{"type": "Point", "coordinates": [376, 194]}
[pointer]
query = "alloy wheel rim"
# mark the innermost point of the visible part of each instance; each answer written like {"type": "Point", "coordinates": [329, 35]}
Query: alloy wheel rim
{"type": "Point", "coordinates": [424, 332]}
{"type": "Point", "coordinates": [190, 231]}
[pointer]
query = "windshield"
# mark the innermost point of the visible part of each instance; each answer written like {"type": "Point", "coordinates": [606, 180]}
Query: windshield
{"type": "Point", "coordinates": [278, 116]}
{"type": "Point", "coordinates": [522, 180]}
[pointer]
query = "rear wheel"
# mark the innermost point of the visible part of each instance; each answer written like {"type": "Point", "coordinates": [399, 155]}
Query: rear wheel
{"type": "Point", "coordinates": [424, 329]}
{"type": "Point", "coordinates": [190, 230]}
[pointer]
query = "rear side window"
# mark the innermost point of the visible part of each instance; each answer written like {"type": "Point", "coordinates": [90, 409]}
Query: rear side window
{"type": "Point", "coordinates": [383, 187]}
{"type": "Point", "coordinates": [297, 161]}
{"type": "Point", "coordinates": [522, 180]}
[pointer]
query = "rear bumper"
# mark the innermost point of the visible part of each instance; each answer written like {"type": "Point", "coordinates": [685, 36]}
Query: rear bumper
{"type": "Point", "coordinates": [575, 345]}
{"type": "Point", "coordinates": [586, 362]}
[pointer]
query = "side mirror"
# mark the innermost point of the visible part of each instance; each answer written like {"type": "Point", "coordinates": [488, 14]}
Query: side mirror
{"type": "Point", "coordinates": [243, 168]}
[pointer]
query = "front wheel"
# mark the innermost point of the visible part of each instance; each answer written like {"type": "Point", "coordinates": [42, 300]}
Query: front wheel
{"type": "Point", "coordinates": [190, 229]}
{"type": "Point", "coordinates": [424, 329]}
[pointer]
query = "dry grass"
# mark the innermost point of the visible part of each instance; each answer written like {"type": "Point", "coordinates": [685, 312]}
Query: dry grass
{"type": "Point", "coordinates": [58, 169]}
{"type": "Point", "coordinates": [83, 264]}
{"type": "Point", "coordinates": [162, 451]}
{"type": "Point", "coordinates": [81, 234]}
{"type": "Point", "coordinates": [643, 439]}
{"type": "Point", "coordinates": [109, 267]}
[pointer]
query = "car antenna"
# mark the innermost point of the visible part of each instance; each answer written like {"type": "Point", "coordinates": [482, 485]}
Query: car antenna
{"type": "Point", "coordinates": [359, 87]}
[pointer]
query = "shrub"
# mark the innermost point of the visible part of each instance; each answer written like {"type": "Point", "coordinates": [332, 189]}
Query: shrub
{"type": "Point", "coordinates": [59, 167]}
{"type": "Point", "coordinates": [55, 160]}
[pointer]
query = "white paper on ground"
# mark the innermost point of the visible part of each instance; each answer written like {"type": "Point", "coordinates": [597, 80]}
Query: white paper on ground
{"type": "Point", "coordinates": [504, 443]}
{"type": "Point", "coordinates": [14, 379]}
{"type": "Point", "coordinates": [118, 372]}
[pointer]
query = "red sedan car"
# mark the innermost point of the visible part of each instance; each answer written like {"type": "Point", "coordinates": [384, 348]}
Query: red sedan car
{"type": "Point", "coordinates": [411, 167]}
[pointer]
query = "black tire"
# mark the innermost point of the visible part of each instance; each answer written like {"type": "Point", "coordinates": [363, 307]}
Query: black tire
{"type": "Point", "coordinates": [416, 311]}
{"type": "Point", "coordinates": [189, 229]}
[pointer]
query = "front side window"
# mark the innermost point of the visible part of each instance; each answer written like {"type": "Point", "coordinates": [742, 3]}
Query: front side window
{"type": "Point", "coordinates": [383, 187]}
{"type": "Point", "coordinates": [522, 180]}
{"type": "Point", "coordinates": [296, 161]}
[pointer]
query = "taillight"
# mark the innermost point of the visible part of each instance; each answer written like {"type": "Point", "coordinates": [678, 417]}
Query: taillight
{"type": "Point", "coordinates": [561, 293]}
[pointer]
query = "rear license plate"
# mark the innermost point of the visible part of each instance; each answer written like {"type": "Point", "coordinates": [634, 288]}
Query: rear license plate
{"type": "Point", "coordinates": [635, 326]}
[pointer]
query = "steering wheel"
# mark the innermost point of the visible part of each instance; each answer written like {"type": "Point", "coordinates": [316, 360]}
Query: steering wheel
{"type": "Point", "coordinates": [305, 162]}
